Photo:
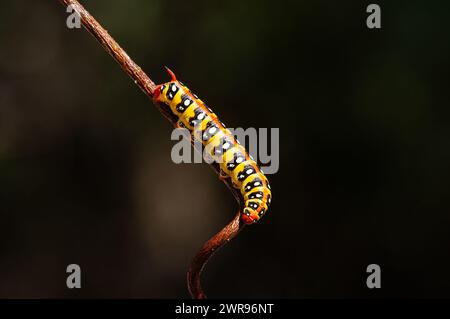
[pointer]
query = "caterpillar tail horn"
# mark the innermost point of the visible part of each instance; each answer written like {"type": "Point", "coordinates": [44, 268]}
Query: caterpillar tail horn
{"type": "Point", "coordinates": [172, 75]}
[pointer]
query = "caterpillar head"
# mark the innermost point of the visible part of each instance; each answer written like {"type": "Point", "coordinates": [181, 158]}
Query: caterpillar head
{"type": "Point", "coordinates": [249, 216]}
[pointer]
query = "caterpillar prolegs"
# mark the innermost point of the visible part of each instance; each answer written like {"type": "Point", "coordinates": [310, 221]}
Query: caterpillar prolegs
{"type": "Point", "coordinates": [235, 163]}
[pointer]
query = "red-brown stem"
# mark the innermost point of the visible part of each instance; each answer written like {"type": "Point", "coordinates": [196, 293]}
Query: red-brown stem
{"type": "Point", "coordinates": [209, 248]}
{"type": "Point", "coordinates": [112, 47]}
{"type": "Point", "coordinates": [148, 86]}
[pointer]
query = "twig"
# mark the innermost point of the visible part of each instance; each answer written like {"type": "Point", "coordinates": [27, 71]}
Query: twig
{"type": "Point", "coordinates": [113, 48]}
{"type": "Point", "coordinates": [208, 249]}
{"type": "Point", "coordinates": [148, 86]}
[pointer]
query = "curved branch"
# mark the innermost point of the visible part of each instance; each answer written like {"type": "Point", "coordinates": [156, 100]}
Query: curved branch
{"type": "Point", "coordinates": [148, 86]}
{"type": "Point", "coordinates": [219, 240]}
{"type": "Point", "coordinates": [209, 248]}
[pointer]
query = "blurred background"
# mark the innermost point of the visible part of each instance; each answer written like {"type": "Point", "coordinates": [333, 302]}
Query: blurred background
{"type": "Point", "coordinates": [86, 175]}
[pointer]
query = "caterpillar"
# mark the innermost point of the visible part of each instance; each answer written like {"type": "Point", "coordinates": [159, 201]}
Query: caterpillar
{"type": "Point", "coordinates": [190, 112]}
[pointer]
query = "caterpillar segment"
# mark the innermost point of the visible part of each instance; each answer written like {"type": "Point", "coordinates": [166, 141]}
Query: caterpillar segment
{"type": "Point", "coordinates": [220, 144]}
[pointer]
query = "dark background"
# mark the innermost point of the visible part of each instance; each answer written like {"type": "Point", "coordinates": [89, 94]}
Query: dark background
{"type": "Point", "coordinates": [86, 175]}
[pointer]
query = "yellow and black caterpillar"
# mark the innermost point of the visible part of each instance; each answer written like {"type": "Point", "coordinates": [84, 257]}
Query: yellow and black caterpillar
{"type": "Point", "coordinates": [235, 163]}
